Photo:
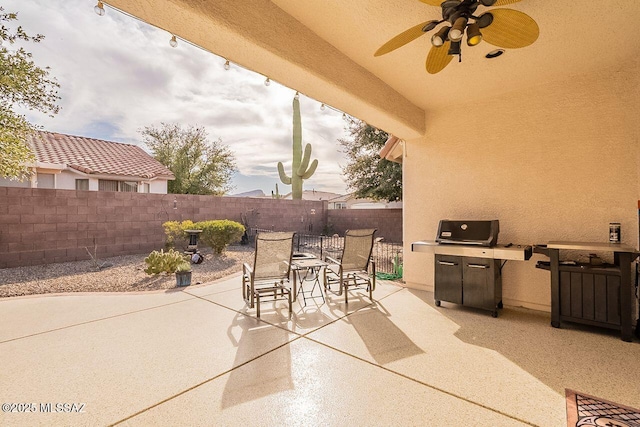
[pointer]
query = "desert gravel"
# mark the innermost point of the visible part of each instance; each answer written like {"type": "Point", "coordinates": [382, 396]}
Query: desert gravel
{"type": "Point", "coordinates": [126, 274]}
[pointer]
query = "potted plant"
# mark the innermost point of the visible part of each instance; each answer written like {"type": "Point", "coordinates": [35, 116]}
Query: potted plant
{"type": "Point", "coordinates": [169, 262]}
{"type": "Point", "coordinates": [183, 274]}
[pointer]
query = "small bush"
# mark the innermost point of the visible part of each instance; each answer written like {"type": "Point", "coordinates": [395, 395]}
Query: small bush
{"type": "Point", "coordinates": [164, 262]}
{"type": "Point", "coordinates": [175, 232]}
{"type": "Point", "coordinates": [217, 234]}
{"type": "Point", "coordinates": [183, 267]}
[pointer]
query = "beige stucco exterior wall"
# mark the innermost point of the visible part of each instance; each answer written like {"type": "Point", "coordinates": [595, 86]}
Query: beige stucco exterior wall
{"type": "Point", "coordinates": [555, 162]}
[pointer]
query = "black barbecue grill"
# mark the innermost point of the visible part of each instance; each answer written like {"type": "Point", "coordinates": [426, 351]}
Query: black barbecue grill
{"type": "Point", "coordinates": [468, 263]}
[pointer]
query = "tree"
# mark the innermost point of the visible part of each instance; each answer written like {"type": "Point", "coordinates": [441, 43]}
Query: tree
{"type": "Point", "coordinates": [22, 84]}
{"type": "Point", "coordinates": [200, 166]}
{"type": "Point", "coordinates": [366, 173]}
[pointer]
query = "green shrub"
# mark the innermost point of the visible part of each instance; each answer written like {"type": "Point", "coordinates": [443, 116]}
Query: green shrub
{"type": "Point", "coordinates": [164, 262]}
{"type": "Point", "coordinates": [217, 234]}
{"type": "Point", "coordinates": [175, 232]}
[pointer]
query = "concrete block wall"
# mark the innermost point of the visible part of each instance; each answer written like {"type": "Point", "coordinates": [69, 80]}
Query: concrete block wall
{"type": "Point", "coordinates": [388, 222]}
{"type": "Point", "coordinates": [41, 226]}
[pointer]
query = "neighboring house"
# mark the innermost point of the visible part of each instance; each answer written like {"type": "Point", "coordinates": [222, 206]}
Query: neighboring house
{"type": "Point", "coordinates": [349, 201]}
{"type": "Point", "coordinates": [314, 195]}
{"type": "Point", "coordinates": [345, 201]}
{"type": "Point", "coordinates": [70, 162]}
{"type": "Point", "coordinates": [253, 193]}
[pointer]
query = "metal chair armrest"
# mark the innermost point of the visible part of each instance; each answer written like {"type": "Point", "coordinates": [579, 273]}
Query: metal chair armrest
{"type": "Point", "coordinates": [331, 260]}
{"type": "Point", "coordinates": [246, 268]}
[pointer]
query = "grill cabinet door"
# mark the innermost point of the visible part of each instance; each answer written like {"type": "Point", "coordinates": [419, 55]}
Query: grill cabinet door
{"type": "Point", "coordinates": [478, 282]}
{"type": "Point", "coordinates": [448, 278]}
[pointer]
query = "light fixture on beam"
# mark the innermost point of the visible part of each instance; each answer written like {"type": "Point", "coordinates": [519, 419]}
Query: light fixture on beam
{"type": "Point", "coordinates": [267, 82]}
{"type": "Point", "coordinates": [173, 42]}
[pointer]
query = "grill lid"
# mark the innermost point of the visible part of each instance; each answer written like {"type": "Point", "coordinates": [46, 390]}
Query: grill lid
{"type": "Point", "coordinates": [482, 233]}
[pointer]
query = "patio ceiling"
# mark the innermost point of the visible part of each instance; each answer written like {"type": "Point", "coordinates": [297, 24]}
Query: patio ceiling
{"type": "Point", "coordinates": [575, 37]}
{"type": "Point", "coordinates": [324, 48]}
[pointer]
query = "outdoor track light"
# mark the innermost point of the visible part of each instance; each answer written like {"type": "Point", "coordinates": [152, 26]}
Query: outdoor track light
{"type": "Point", "coordinates": [297, 95]}
{"type": "Point", "coordinates": [173, 42]}
{"type": "Point", "coordinates": [227, 65]}
{"type": "Point", "coordinates": [267, 82]}
{"type": "Point", "coordinates": [99, 9]}
{"type": "Point", "coordinates": [322, 107]}
{"type": "Point", "coordinates": [457, 31]}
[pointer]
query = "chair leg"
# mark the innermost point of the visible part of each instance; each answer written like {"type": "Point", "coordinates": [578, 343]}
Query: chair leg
{"type": "Point", "coordinates": [345, 289]}
{"type": "Point", "coordinates": [258, 302]}
{"type": "Point", "coordinates": [289, 295]}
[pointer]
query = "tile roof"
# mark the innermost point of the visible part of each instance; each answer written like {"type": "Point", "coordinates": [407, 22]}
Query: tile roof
{"type": "Point", "coordinates": [95, 156]}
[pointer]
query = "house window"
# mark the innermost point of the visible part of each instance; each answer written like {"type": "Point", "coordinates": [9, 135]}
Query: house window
{"type": "Point", "coordinates": [341, 206]}
{"type": "Point", "coordinates": [146, 187]}
{"type": "Point", "coordinates": [107, 185]}
{"type": "Point", "coordinates": [46, 180]}
{"type": "Point", "coordinates": [128, 186]}
{"type": "Point", "coordinates": [122, 186]}
{"type": "Point", "coordinates": [82, 184]}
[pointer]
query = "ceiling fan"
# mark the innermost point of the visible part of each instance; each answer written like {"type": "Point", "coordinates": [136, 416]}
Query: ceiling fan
{"type": "Point", "coordinates": [506, 28]}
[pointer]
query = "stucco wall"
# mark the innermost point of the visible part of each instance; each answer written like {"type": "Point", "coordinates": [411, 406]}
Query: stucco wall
{"type": "Point", "coordinates": [66, 180]}
{"type": "Point", "coordinates": [555, 162]}
{"type": "Point", "coordinates": [158, 186]}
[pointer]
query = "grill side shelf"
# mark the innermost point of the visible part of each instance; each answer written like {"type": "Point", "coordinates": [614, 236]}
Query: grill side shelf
{"type": "Point", "coordinates": [511, 253]}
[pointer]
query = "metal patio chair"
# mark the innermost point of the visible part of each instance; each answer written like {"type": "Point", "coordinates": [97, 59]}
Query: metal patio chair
{"type": "Point", "coordinates": [270, 271]}
{"type": "Point", "coordinates": [352, 270]}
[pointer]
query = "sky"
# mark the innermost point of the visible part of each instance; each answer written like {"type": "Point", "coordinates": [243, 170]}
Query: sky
{"type": "Point", "coordinates": [118, 75]}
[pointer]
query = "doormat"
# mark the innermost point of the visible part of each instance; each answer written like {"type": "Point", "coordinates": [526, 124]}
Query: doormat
{"type": "Point", "coordinates": [589, 411]}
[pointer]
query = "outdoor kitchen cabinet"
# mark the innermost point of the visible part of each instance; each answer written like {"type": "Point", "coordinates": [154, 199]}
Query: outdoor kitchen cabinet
{"type": "Point", "coordinates": [468, 281]}
{"type": "Point", "coordinates": [601, 296]}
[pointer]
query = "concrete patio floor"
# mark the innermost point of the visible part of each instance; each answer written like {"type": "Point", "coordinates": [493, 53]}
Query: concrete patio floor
{"type": "Point", "coordinates": [197, 356]}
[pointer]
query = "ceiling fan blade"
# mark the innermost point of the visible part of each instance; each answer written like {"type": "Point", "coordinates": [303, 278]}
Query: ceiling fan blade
{"type": "Point", "coordinates": [434, 2]}
{"type": "Point", "coordinates": [401, 39]}
{"type": "Point", "coordinates": [510, 29]}
{"type": "Point", "coordinates": [505, 2]}
{"type": "Point", "coordinates": [438, 58]}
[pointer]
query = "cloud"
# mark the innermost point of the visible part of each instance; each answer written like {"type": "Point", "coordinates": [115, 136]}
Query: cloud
{"type": "Point", "coordinates": [118, 75]}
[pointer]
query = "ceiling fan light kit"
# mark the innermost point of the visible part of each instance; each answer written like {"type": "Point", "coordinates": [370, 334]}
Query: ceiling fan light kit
{"type": "Point", "coordinates": [440, 37]}
{"type": "Point", "coordinates": [474, 36]}
{"type": "Point", "coordinates": [504, 28]}
{"type": "Point", "coordinates": [457, 31]}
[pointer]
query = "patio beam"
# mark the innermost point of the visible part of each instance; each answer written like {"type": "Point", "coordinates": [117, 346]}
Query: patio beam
{"type": "Point", "coordinates": [262, 37]}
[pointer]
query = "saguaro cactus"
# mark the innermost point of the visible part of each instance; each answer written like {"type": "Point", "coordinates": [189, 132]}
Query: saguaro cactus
{"type": "Point", "coordinates": [275, 195]}
{"type": "Point", "coordinates": [300, 168]}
